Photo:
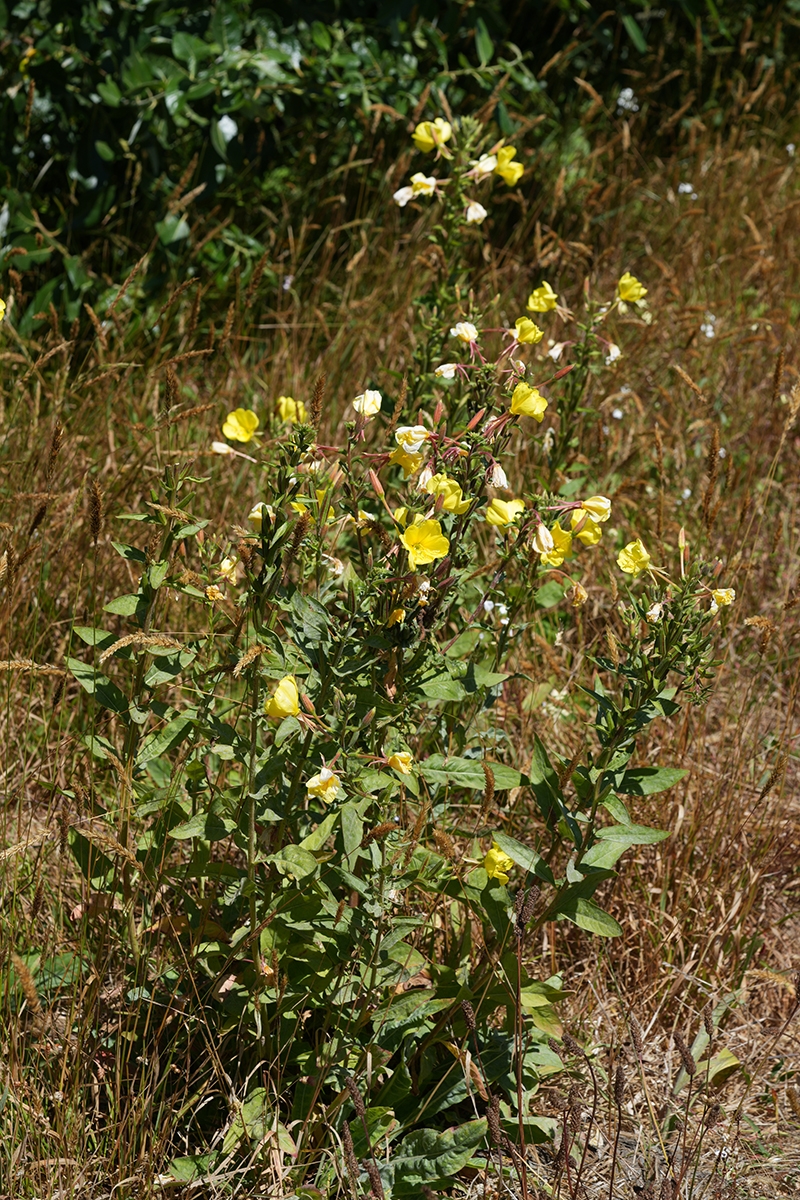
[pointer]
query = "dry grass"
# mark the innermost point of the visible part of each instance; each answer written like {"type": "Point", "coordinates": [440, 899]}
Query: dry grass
{"type": "Point", "coordinates": [88, 426]}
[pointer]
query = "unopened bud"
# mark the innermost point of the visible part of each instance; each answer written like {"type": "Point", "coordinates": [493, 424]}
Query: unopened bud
{"type": "Point", "coordinates": [221, 448]}
{"type": "Point", "coordinates": [377, 486]}
{"type": "Point", "coordinates": [682, 538]}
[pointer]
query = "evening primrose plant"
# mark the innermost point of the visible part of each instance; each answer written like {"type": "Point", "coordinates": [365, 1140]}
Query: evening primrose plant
{"type": "Point", "coordinates": [333, 771]}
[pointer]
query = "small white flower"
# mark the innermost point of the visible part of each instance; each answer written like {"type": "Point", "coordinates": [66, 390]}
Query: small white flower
{"type": "Point", "coordinates": [488, 605]}
{"type": "Point", "coordinates": [498, 478]}
{"type": "Point", "coordinates": [617, 414]}
{"type": "Point", "coordinates": [556, 351]}
{"type": "Point", "coordinates": [626, 101]}
{"type": "Point", "coordinates": [228, 128]}
{"type": "Point", "coordinates": [336, 566]}
{"type": "Point", "coordinates": [446, 371]}
{"type": "Point", "coordinates": [612, 353]}
{"type": "Point", "coordinates": [686, 189]}
{"type": "Point", "coordinates": [723, 453]}
{"type": "Point", "coordinates": [549, 440]}
{"type": "Point", "coordinates": [686, 493]}
{"type": "Point", "coordinates": [654, 613]}
{"type": "Point", "coordinates": [368, 404]}
{"type": "Point", "coordinates": [465, 331]}
{"type": "Point", "coordinates": [790, 149]}
{"type": "Point", "coordinates": [504, 620]}
{"type": "Point", "coordinates": [485, 165]}
{"type": "Point", "coordinates": [221, 448]}
{"type": "Point", "coordinates": [288, 280]}
{"type": "Point", "coordinates": [402, 196]}
{"type": "Point", "coordinates": [476, 213]}
{"type": "Point", "coordinates": [502, 609]}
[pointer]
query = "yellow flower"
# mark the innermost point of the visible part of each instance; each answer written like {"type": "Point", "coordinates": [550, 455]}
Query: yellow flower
{"type": "Point", "coordinates": [424, 542]}
{"type": "Point", "coordinates": [2, 310]}
{"type": "Point", "coordinates": [291, 410]}
{"type": "Point", "coordinates": [497, 864]}
{"type": "Point", "coordinates": [629, 289]}
{"type": "Point", "coordinates": [400, 515]}
{"type": "Point", "coordinates": [240, 425]}
{"type": "Point", "coordinates": [562, 547]}
{"type": "Point", "coordinates": [542, 299]}
{"type": "Point", "coordinates": [528, 401]}
{"type": "Point", "coordinates": [410, 463]}
{"type": "Point", "coordinates": [722, 596]}
{"type": "Point", "coordinates": [396, 617]}
{"type": "Point", "coordinates": [598, 507]}
{"type": "Point", "coordinates": [285, 700]}
{"type": "Point", "coordinates": [25, 60]}
{"type": "Point", "coordinates": [227, 569]}
{"type": "Point", "coordinates": [401, 762]}
{"type": "Point", "coordinates": [325, 786]}
{"type": "Point", "coordinates": [430, 134]}
{"type": "Point", "coordinates": [504, 512]}
{"type": "Point", "coordinates": [634, 558]}
{"type": "Point", "coordinates": [368, 404]}
{"type": "Point", "coordinates": [412, 438]}
{"type": "Point", "coordinates": [441, 485]}
{"type": "Point", "coordinates": [590, 532]}
{"type": "Point", "coordinates": [213, 593]}
{"type": "Point", "coordinates": [509, 171]}
{"type": "Point", "coordinates": [526, 332]}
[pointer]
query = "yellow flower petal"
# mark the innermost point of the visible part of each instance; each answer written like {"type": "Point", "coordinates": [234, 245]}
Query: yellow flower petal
{"type": "Point", "coordinates": [285, 700]}
{"type": "Point", "coordinates": [542, 299]}
{"type": "Point", "coordinates": [528, 401]}
{"type": "Point", "coordinates": [630, 289]}
{"type": "Point", "coordinates": [503, 513]}
{"type": "Point", "coordinates": [430, 134]}
{"type": "Point", "coordinates": [527, 332]}
{"type": "Point", "coordinates": [402, 762]}
{"type": "Point", "coordinates": [240, 425]}
{"type": "Point", "coordinates": [562, 547]}
{"type": "Point", "coordinates": [497, 864]}
{"type": "Point", "coordinates": [424, 542]}
{"type": "Point", "coordinates": [633, 559]}
{"type": "Point", "coordinates": [293, 411]}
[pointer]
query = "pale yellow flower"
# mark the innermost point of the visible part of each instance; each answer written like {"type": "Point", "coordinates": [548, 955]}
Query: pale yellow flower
{"type": "Point", "coordinates": [411, 438]}
{"type": "Point", "coordinates": [476, 214]}
{"type": "Point", "coordinates": [497, 864]}
{"type": "Point", "coordinates": [526, 332]}
{"type": "Point", "coordinates": [543, 540]}
{"type": "Point", "coordinates": [325, 785]}
{"type": "Point", "coordinates": [510, 172]}
{"type": "Point", "coordinates": [285, 700]}
{"type": "Point", "coordinates": [453, 501]}
{"type": "Point", "coordinates": [503, 513]}
{"type": "Point", "coordinates": [424, 542]}
{"type": "Point", "coordinates": [633, 559]}
{"type": "Point", "coordinates": [291, 410]}
{"type": "Point", "coordinates": [430, 134]}
{"type": "Point", "coordinates": [368, 404]}
{"type": "Point", "coordinates": [257, 515]}
{"type": "Point", "coordinates": [527, 401]}
{"type": "Point", "coordinates": [213, 593]}
{"type": "Point", "coordinates": [445, 371]}
{"type": "Point", "coordinates": [400, 515]}
{"type": "Point", "coordinates": [598, 507]}
{"type": "Point", "coordinates": [562, 547]}
{"type": "Point", "coordinates": [630, 289]}
{"type": "Point", "coordinates": [422, 185]}
{"type": "Point", "coordinates": [227, 569]}
{"type": "Point", "coordinates": [465, 331]}
{"type": "Point", "coordinates": [721, 597]}
{"type": "Point", "coordinates": [240, 425]}
{"type": "Point", "coordinates": [2, 310]}
{"type": "Point", "coordinates": [401, 761]}
{"type": "Point", "coordinates": [542, 299]}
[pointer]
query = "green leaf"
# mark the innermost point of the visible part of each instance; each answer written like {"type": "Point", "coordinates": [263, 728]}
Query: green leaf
{"type": "Point", "coordinates": [163, 740]}
{"type": "Point", "coordinates": [294, 861]}
{"type": "Point", "coordinates": [98, 685]}
{"type": "Point", "coordinates": [524, 856]}
{"type": "Point", "coordinates": [317, 839]}
{"type": "Point", "coordinates": [109, 93]}
{"type": "Point", "coordinates": [174, 228]}
{"type": "Point", "coordinates": [380, 1121]}
{"type": "Point", "coordinates": [95, 637]}
{"type": "Point", "coordinates": [127, 606]}
{"type": "Point", "coordinates": [589, 916]}
{"type": "Point", "coordinates": [427, 1157]}
{"type": "Point", "coordinates": [550, 594]}
{"type": "Point", "coordinates": [614, 840]}
{"type": "Point", "coordinates": [211, 826]}
{"type": "Point", "coordinates": [483, 43]}
{"type": "Point", "coordinates": [647, 781]}
{"type": "Point", "coordinates": [467, 773]}
{"type": "Point", "coordinates": [634, 33]}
